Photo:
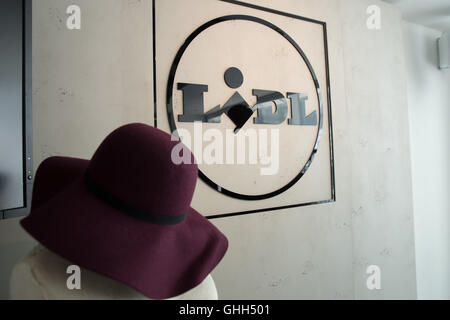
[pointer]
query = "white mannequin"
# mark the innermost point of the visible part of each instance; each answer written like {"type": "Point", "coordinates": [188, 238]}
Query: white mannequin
{"type": "Point", "coordinates": [41, 275]}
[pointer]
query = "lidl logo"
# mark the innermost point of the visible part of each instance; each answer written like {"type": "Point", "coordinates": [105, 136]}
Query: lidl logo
{"type": "Point", "coordinates": [239, 111]}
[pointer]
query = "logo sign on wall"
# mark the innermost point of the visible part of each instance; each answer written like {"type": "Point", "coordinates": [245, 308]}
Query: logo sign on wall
{"type": "Point", "coordinates": [247, 89]}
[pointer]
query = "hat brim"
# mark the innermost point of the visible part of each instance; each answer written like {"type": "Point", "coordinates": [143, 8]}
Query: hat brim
{"type": "Point", "coordinates": [159, 261]}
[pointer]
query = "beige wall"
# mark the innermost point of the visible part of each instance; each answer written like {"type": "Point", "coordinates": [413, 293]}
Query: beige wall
{"type": "Point", "coordinates": [88, 82]}
{"type": "Point", "coordinates": [375, 131]}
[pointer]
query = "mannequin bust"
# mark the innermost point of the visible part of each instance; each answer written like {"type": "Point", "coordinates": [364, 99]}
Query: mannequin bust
{"type": "Point", "coordinates": [42, 275]}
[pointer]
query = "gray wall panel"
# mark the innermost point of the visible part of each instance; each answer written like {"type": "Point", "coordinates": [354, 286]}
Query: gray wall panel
{"type": "Point", "coordinates": [11, 129]}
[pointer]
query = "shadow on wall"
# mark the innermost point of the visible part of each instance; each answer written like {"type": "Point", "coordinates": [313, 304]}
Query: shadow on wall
{"type": "Point", "coordinates": [14, 245]}
{"type": "Point", "coordinates": [3, 183]}
{"type": "Point", "coordinates": [3, 190]}
{"type": "Point", "coordinates": [428, 53]}
{"type": "Point", "coordinates": [434, 18]}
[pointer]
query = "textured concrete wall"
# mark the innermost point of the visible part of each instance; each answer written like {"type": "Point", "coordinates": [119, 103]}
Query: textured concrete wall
{"type": "Point", "coordinates": [88, 82]}
{"type": "Point", "coordinates": [376, 129]}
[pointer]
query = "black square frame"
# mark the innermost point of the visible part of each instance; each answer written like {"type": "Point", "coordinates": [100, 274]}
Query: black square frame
{"type": "Point", "coordinates": [328, 88]}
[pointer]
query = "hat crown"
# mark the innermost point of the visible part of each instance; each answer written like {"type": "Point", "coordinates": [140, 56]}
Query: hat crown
{"type": "Point", "coordinates": [134, 165]}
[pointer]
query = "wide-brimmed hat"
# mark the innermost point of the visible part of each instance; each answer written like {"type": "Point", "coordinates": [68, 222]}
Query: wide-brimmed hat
{"type": "Point", "coordinates": [126, 214]}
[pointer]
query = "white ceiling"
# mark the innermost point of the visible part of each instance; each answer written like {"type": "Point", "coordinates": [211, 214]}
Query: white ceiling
{"type": "Point", "coordinates": [430, 13]}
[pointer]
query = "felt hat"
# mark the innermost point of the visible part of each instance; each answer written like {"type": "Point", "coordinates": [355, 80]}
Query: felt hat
{"type": "Point", "coordinates": [126, 214]}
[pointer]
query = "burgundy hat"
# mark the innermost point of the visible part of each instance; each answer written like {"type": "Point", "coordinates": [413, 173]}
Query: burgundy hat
{"type": "Point", "coordinates": [126, 214]}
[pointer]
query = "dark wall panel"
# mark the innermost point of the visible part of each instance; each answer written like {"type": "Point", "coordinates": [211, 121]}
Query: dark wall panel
{"type": "Point", "coordinates": [11, 110]}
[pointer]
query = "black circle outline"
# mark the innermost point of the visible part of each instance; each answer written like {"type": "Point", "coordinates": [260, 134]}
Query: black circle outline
{"type": "Point", "coordinates": [229, 79]}
{"type": "Point", "coordinates": [171, 118]}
